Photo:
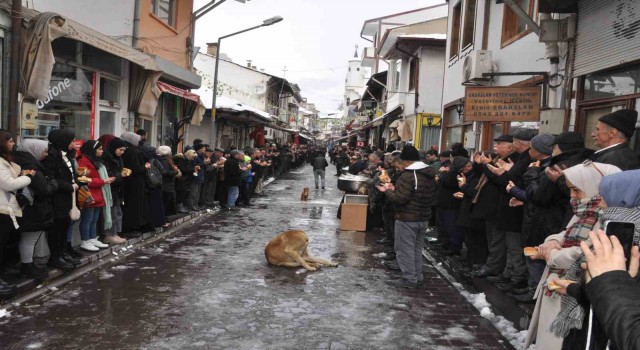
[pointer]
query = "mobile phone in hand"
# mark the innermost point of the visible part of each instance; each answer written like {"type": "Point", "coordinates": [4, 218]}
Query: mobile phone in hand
{"type": "Point", "coordinates": [624, 231]}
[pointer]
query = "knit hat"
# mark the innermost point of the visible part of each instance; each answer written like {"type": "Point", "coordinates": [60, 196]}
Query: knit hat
{"type": "Point", "coordinates": [569, 141]}
{"type": "Point", "coordinates": [164, 151]}
{"type": "Point", "coordinates": [459, 163]}
{"type": "Point", "coordinates": [623, 120]}
{"type": "Point", "coordinates": [198, 146]}
{"type": "Point", "coordinates": [409, 153]}
{"type": "Point", "coordinates": [543, 143]}
{"type": "Point", "coordinates": [621, 190]}
{"type": "Point", "coordinates": [218, 149]}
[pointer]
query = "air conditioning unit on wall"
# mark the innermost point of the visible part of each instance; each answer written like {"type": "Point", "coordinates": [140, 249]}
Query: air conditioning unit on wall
{"type": "Point", "coordinates": [475, 64]}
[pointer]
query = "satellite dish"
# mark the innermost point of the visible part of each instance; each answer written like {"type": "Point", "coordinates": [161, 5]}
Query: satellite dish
{"type": "Point", "coordinates": [260, 89]}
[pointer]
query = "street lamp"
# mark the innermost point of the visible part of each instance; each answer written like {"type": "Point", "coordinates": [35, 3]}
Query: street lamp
{"type": "Point", "coordinates": [267, 22]}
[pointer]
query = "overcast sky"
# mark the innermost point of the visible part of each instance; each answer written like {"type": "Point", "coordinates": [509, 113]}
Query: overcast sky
{"type": "Point", "coordinates": [314, 42]}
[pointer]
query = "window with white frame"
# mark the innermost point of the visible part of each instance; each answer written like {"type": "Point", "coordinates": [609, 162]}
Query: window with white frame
{"type": "Point", "coordinates": [165, 10]}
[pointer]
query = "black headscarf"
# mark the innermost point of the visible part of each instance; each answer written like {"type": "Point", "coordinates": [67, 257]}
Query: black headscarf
{"type": "Point", "coordinates": [61, 139]}
{"type": "Point", "coordinates": [115, 144]}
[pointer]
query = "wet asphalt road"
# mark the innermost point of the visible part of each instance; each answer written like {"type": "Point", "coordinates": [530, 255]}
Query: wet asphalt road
{"type": "Point", "coordinates": [209, 287]}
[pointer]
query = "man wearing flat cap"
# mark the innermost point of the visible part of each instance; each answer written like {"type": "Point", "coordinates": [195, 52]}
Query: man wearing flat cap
{"type": "Point", "coordinates": [612, 135]}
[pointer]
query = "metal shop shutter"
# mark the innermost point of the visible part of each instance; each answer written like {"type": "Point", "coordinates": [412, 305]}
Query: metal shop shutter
{"type": "Point", "coordinates": [608, 34]}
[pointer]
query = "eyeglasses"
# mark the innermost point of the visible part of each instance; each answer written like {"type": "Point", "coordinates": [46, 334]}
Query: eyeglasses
{"type": "Point", "coordinates": [589, 162]}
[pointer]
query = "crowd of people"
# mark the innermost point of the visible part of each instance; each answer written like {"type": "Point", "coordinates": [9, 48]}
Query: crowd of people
{"type": "Point", "coordinates": [116, 188]}
{"type": "Point", "coordinates": [547, 193]}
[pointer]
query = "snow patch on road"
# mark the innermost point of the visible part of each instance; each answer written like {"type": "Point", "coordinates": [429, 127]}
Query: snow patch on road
{"type": "Point", "coordinates": [380, 255]}
{"type": "Point", "coordinates": [4, 313]}
{"type": "Point", "coordinates": [457, 333]}
{"type": "Point", "coordinates": [35, 346]}
{"type": "Point", "coordinates": [104, 275]}
{"type": "Point", "coordinates": [479, 301]}
{"type": "Point", "coordinates": [121, 268]}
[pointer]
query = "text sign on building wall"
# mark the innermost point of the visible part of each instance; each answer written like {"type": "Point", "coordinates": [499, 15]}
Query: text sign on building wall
{"type": "Point", "coordinates": [502, 104]}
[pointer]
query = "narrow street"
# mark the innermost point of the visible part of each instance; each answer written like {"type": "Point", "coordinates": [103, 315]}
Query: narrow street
{"type": "Point", "coordinates": [209, 287]}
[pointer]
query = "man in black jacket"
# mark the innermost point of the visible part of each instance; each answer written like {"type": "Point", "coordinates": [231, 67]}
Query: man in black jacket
{"type": "Point", "coordinates": [509, 224]}
{"type": "Point", "coordinates": [612, 135]}
{"type": "Point", "coordinates": [319, 165]}
{"type": "Point", "coordinates": [233, 178]}
{"type": "Point", "coordinates": [412, 197]}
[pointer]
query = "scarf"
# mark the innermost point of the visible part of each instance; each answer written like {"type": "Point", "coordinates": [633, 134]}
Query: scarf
{"type": "Point", "coordinates": [571, 313]}
{"type": "Point", "coordinates": [108, 200]}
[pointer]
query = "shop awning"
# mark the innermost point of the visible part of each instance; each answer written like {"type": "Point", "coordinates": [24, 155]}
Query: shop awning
{"type": "Point", "coordinates": [37, 54]}
{"type": "Point", "coordinates": [378, 121]}
{"type": "Point", "coordinates": [342, 138]}
{"type": "Point", "coordinates": [187, 95]}
{"type": "Point", "coordinates": [235, 110]}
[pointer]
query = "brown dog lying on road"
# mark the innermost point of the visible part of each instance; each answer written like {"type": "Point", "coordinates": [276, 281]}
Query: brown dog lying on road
{"type": "Point", "coordinates": [305, 194]}
{"type": "Point", "coordinates": [289, 249]}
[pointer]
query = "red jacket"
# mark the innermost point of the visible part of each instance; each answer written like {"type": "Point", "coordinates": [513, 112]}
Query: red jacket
{"type": "Point", "coordinates": [95, 186]}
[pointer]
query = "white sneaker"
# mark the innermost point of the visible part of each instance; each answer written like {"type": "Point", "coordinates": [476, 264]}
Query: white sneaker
{"type": "Point", "coordinates": [86, 245]}
{"type": "Point", "coordinates": [98, 244]}
{"type": "Point", "coordinates": [115, 239]}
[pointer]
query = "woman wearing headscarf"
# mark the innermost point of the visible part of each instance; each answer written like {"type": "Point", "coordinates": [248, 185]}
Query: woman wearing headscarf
{"type": "Point", "coordinates": [135, 211]}
{"type": "Point", "coordinates": [59, 165]}
{"type": "Point", "coordinates": [448, 205]}
{"type": "Point", "coordinates": [154, 195]}
{"type": "Point", "coordinates": [561, 250]}
{"type": "Point", "coordinates": [90, 158]}
{"type": "Point", "coordinates": [12, 179]}
{"type": "Point", "coordinates": [169, 172]}
{"type": "Point", "coordinates": [112, 160]}
{"type": "Point", "coordinates": [621, 202]}
{"type": "Point", "coordinates": [38, 216]}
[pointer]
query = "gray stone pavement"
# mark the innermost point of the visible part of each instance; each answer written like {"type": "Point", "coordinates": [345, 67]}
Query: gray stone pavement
{"type": "Point", "coordinates": [209, 287]}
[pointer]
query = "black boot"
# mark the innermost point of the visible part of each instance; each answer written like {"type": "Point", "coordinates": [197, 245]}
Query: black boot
{"type": "Point", "coordinates": [7, 290]}
{"type": "Point", "coordinates": [60, 263]}
{"type": "Point", "coordinates": [68, 258]}
{"type": "Point", "coordinates": [72, 252]}
{"type": "Point", "coordinates": [31, 271]}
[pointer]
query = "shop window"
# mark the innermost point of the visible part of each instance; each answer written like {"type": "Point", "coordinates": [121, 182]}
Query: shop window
{"type": "Point", "coordinates": [109, 90]}
{"type": "Point", "coordinates": [612, 83]}
{"type": "Point", "coordinates": [107, 122]}
{"type": "Point", "coordinates": [165, 10]}
{"type": "Point", "coordinates": [455, 31]}
{"type": "Point", "coordinates": [455, 127]}
{"type": "Point", "coordinates": [68, 105]}
{"type": "Point", "coordinates": [101, 60]}
{"type": "Point", "coordinates": [469, 22]}
{"type": "Point", "coordinates": [413, 74]}
{"type": "Point", "coordinates": [65, 49]}
{"type": "Point", "coordinates": [513, 28]}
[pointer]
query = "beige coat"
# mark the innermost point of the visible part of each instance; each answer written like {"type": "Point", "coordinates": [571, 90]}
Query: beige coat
{"type": "Point", "coordinates": [10, 182]}
{"type": "Point", "coordinates": [548, 307]}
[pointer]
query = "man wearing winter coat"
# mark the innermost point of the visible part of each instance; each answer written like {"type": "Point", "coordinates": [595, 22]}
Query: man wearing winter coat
{"type": "Point", "coordinates": [612, 135]}
{"type": "Point", "coordinates": [412, 197]}
{"type": "Point", "coordinates": [319, 165]}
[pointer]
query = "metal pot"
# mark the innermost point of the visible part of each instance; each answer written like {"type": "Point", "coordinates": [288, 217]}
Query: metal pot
{"type": "Point", "coordinates": [351, 184]}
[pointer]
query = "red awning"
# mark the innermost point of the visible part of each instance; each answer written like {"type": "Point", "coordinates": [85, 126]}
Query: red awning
{"type": "Point", "coordinates": [170, 89]}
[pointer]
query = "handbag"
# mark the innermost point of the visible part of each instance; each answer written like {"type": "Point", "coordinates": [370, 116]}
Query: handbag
{"type": "Point", "coordinates": [74, 213]}
{"type": "Point", "coordinates": [84, 197]}
{"type": "Point", "coordinates": [24, 197]}
{"type": "Point", "coordinates": [154, 177]}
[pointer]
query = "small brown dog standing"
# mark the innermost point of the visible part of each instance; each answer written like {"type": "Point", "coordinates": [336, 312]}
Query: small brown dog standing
{"type": "Point", "coordinates": [289, 249]}
{"type": "Point", "coordinates": [305, 194]}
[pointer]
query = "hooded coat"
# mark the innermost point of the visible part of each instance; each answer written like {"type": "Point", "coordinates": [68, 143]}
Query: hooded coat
{"type": "Point", "coordinates": [414, 193]}
{"type": "Point", "coordinates": [135, 211]}
{"type": "Point", "coordinates": [39, 215]}
{"type": "Point", "coordinates": [64, 174]}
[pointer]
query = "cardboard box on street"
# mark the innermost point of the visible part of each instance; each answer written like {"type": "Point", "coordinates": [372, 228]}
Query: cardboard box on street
{"type": "Point", "coordinates": [354, 217]}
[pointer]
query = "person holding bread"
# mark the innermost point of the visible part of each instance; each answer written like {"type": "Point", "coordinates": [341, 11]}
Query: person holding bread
{"type": "Point", "coordinates": [91, 158]}
{"type": "Point", "coordinates": [561, 250]}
